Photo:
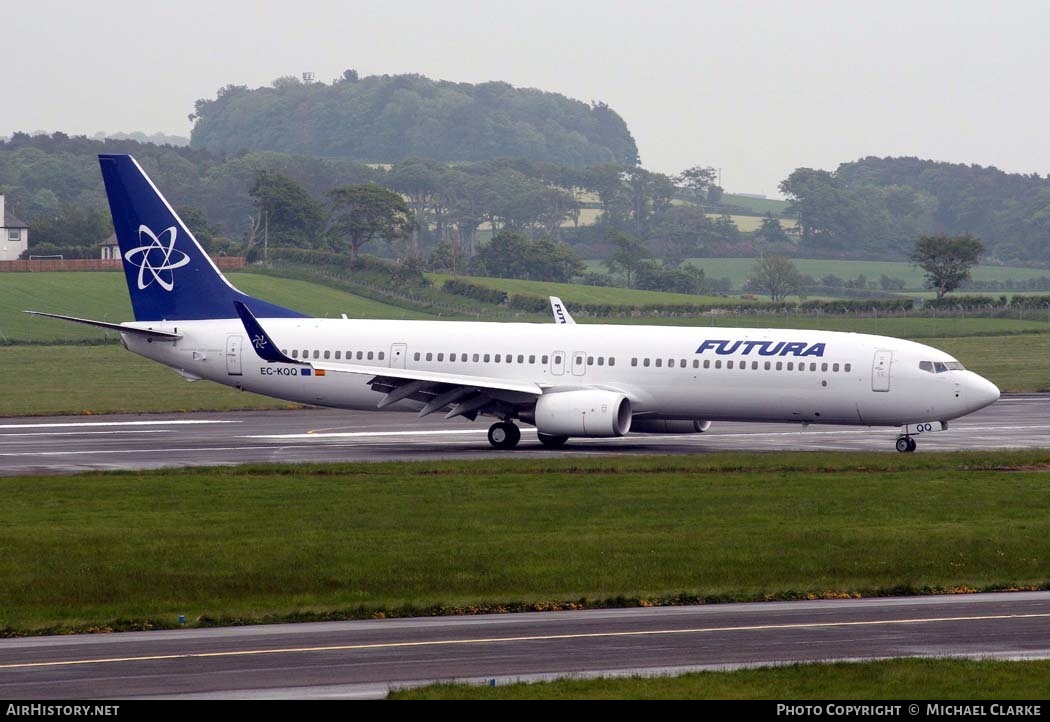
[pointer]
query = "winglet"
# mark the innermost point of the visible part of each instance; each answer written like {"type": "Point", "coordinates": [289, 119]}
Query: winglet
{"type": "Point", "coordinates": [561, 314]}
{"type": "Point", "coordinates": [261, 341]}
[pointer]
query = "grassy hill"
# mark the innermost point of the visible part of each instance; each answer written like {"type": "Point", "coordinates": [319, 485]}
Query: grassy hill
{"type": "Point", "coordinates": [575, 293]}
{"type": "Point", "coordinates": [757, 206]}
{"type": "Point", "coordinates": [738, 269]}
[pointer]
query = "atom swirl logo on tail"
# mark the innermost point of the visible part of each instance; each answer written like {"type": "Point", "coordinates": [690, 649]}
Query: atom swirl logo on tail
{"type": "Point", "coordinates": [156, 259]}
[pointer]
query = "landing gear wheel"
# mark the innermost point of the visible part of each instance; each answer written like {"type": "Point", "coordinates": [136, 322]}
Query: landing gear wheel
{"type": "Point", "coordinates": [906, 444]}
{"type": "Point", "coordinates": [552, 441]}
{"type": "Point", "coordinates": [911, 444]}
{"type": "Point", "coordinates": [504, 435]}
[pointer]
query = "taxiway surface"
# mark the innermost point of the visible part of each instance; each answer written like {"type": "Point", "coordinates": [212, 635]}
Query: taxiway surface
{"type": "Point", "coordinates": [41, 445]}
{"type": "Point", "coordinates": [366, 658]}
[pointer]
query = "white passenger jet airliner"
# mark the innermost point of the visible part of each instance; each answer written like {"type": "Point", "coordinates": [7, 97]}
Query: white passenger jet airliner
{"type": "Point", "coordinates": [566, 379]}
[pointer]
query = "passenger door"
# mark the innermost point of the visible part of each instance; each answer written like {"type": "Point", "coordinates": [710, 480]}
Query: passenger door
{"type": "Point", "coordinates": [880, 370]}
{"type": "Point", "coordinates": [233, 356]}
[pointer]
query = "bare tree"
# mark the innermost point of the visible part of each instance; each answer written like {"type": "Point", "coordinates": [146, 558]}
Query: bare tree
{"type": "Point", "coordinates": [775, 275]}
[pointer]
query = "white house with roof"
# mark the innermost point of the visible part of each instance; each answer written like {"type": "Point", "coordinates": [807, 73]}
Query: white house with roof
{"type": "Point", "coordinates": [110, 248]}
{"type": "Point", "coordinates": [14, 235]}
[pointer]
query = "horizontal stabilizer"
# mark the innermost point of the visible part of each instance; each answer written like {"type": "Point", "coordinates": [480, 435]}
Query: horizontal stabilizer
{"type": "Point", "coordinates": [110, 326]}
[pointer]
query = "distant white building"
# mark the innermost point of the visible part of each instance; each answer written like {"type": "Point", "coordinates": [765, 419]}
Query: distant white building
{"type": "Point", "coordinates": [14, 235]}
{"type": "Point", "coordinates": [110, 248]}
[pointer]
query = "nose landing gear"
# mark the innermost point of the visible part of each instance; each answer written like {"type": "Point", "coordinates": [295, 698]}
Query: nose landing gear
{"type": "Point", "coordinates": [905, 444]}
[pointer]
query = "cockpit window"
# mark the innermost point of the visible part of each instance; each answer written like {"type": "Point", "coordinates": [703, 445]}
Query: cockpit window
{"type": "Point", "coordinates": [940, 367]}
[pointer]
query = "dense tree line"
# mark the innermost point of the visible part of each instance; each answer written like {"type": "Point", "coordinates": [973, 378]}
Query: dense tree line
{"type": "Point", "coordinates": [384, 119]}
{"type": "Point", "coordinates": [239, 203]}
{"type": "Point", "coordinates": [878, 207]}
{"type": "Point", "coordinates": [48, 178]}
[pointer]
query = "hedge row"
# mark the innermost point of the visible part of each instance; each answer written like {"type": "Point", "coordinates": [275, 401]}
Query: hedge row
{"type": "Point", "coordinates": [407, 273]}
{"type": "Point", "coordinates": [534, 304]}
{"type": "Point", "coordinates": [983, 302]}
{"type": "Point", "coordinates": [537, 304]}
{"type": "Point", "coordinates": [472, 290]}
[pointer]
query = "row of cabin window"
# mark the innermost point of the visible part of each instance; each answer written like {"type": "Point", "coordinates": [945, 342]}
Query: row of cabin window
{"type": "Point", "coordinates": [361, 355]}
{"type": "Point", "coordinates": [509, 358]}
{"type": "Point", "coordinates": [591, 360]}
{"type": "Point", "coordinates": [478, 358]}
{"type": "Point", "coordinates": [742, 365]}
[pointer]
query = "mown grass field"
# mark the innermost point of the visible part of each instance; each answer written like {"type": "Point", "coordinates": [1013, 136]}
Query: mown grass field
{"type": "Point", "coordinates": [737, 270]}
{"type": "Point", "coordinates": [758, 206]}
{"type": "Point", "coordinates": [1020, 363]}
{"type": "Point", "coordinates": [576, 293]}
{"type": "Point", "coordinates": [330, 541]}
{"type": "Point", "coordinates": [106, 379]}
{"type": "Point", "coordinates": [911, 327]}
{"type": "Point", "coordinates": [104, 296]}
{"type": "Point", "coordinates": [900, 679]}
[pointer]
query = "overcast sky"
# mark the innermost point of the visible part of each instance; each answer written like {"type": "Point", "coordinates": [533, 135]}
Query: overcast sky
{"type": "Point", "coordinates": [756, 89]}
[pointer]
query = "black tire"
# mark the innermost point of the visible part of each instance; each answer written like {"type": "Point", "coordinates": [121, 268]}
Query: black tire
{"type": "Point", "coordinates": [904, 444]}
{"type": "Point", "coordinates": [504, 435]}
{"type": "Point", "coordinates": [552, 441]}
{"type": "Point", "coordinates": [911, 444]}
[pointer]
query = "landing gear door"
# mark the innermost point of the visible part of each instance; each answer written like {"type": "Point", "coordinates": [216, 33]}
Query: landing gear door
{"type": "Point", "coordinates": [880, 371]}
{"type": "Point", "coordinates": [233, 356]}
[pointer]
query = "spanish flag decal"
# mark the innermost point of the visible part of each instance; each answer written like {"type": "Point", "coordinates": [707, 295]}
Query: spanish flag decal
{"type": "Point", "coordinates": [318, 372]}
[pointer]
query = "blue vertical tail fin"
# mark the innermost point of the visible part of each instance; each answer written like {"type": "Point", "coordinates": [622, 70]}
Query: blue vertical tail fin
{"type": "Point", "coordinates": [169, 275]}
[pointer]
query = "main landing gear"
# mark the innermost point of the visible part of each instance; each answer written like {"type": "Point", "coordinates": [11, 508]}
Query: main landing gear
{"type": "Point", "coordinates": [504, 435]}
{"type": "Point", "coordinates": [905, 444]}
{"type": "Point", "coordinates": [551, 441]}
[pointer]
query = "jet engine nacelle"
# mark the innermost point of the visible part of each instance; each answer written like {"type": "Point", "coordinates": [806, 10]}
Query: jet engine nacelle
{"type": "Point", "coordinates": [670, 426]}
{"type": "Point", "coordinates": [591, 413]}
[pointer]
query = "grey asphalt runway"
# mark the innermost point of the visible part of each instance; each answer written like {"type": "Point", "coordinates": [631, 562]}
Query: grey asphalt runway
{"type": "Point", "coordinates": [366, 658]}
{"type": "Point", "coordinates": [42, 445]}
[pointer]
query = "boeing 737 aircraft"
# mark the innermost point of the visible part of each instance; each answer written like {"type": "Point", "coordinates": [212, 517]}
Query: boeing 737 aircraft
{"type": "Point", "coordinates": [566, 379]}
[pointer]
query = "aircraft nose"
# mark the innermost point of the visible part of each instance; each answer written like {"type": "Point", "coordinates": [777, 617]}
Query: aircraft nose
{"type": "Point", "coordinates": [981, 392]}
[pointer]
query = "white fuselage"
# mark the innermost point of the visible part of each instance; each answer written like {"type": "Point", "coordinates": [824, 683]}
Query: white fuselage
{"type": "Point", "coordinates": [666, 372]}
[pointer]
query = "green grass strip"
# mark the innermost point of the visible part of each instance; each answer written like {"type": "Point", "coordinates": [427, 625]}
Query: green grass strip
{"type": "Point", "coordinates": [287, 542]}
{"type": "Point", "coordinates": [897, 679]}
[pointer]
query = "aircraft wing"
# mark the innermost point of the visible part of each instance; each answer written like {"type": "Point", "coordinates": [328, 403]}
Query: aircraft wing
{"type": "Point", "coordinates": [467, 394]}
